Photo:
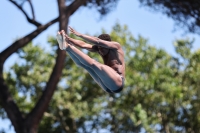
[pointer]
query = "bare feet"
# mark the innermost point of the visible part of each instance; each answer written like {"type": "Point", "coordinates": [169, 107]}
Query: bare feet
{"type": "Point", "coordinates": [62, 40]}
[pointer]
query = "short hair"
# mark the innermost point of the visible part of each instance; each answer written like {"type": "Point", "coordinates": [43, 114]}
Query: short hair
{"type": "Point", "coordinates": [105, 37]}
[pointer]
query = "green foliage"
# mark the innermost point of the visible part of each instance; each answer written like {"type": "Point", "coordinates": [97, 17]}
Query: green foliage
{"type": "Point", "coordinates": [183, 47]}
{"type": "Point", "coordinates": [28, 76]}
{"type": "Point", "coordinates": [161, 92]}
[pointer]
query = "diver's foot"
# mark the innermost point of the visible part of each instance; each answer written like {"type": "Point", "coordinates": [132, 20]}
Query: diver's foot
{"type": "Point", "coordinates": [61, 40]}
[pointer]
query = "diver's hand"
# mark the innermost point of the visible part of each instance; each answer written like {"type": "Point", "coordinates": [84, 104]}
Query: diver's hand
{"type": "Point", "coordinates": [73, 31]}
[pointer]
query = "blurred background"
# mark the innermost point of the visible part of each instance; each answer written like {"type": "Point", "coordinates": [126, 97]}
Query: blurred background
{"type": "Point", "coordinates": [161, 44]}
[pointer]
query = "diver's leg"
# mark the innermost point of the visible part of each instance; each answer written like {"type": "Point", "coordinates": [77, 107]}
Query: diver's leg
{"type": "Point", "coordinates": [107, 75]}
{"type": "Point", "coordinates": [90, 71]}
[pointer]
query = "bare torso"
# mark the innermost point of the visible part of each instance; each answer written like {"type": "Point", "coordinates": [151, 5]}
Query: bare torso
{"type": "Point", "coordinates": [115, 59]}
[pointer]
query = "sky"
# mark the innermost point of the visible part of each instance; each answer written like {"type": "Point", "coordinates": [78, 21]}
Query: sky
{"type": "Point", "coordinates": [156, 27]}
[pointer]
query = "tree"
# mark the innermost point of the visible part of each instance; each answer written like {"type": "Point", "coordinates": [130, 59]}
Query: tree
{"type": "Point", "coordinates": [29, 123]}
{"type": "Point", "coordinates": [161, 92]}
{"type": "Point", "coordinates": [146, 102]}
{"type": "Point", "coordinates": [185, 13]}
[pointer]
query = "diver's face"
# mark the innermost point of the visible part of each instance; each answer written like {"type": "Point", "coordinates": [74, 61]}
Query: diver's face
{"type": "Point", "coordinates": [103, 51]}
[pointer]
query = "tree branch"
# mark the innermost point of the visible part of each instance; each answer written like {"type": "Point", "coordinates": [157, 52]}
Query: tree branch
{"type": "Point", "coordinates": [74, 6]}
{"type": "Point", "coordinates": [32, 21]}
{"type": "Point", "coordinates": [23, 41]}
{"type": "Point", "coordinates": [32, 10]}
